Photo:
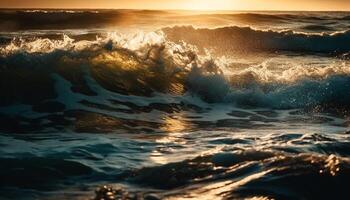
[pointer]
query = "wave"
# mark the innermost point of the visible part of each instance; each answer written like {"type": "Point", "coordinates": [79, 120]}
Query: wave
{"type": "Point", "coordinates": [279, 17]}
{"type": "Point", "coordinates": [12, 20]}
{"type": "Point", "coordinates": [236, 172]}
{"type": "Point", "coordinates": [18, 20]}
{"type": "Point", "coordinates": [246, 39]}
{"type": "Point", "coordinates": [346, 17]}
{"type": "Point", "coordinates": [146, 64]}
{"type": "Point", "coordinates": [248, 174]}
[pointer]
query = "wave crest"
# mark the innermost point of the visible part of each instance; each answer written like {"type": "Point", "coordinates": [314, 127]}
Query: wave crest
{"type": "Point", "coordinates": [245, 39]}
{"type": "Point", "coordinates": [146, 63]}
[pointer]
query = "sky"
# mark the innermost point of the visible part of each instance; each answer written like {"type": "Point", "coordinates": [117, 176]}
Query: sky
{"type": "Point", "coordinates": [184, 4]}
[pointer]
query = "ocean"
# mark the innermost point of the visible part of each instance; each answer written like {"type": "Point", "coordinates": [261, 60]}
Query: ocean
{"type": "Point", "coordinates": [143, 104]}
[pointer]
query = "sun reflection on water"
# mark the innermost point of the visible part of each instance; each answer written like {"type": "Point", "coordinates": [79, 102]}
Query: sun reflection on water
{"type": "Point", "coordinates": [174, 128]}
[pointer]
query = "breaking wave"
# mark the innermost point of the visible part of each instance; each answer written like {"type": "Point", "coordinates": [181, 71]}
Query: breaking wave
{"type": "Point", "coordinates": [145, 64]}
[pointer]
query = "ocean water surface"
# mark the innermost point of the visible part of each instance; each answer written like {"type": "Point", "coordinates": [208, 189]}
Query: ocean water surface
{"type": "Point", "coordinates": [140, 104]}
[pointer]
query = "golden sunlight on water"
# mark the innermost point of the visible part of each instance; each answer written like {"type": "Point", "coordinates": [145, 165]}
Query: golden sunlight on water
{"type": "Point", "coordinates": [219, 190]}
{"type": "Point", "coordinates": [174, 124]}
{"type": "Point", "coordinates": [158, 158]}
{"type": "Point", "coordinates": [331, 165]}
{"type": "Point", "coordinates": [114, 60]}
{"type": "Point", "coordinates": [173, 127]}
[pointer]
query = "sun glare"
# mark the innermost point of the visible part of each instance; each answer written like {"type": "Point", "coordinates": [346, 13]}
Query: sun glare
{"type": "Point", "coordinates": [210, 5]}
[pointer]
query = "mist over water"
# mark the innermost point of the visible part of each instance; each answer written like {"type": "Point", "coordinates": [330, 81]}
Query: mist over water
{"type": "Point", "coordinates": [174, 104]}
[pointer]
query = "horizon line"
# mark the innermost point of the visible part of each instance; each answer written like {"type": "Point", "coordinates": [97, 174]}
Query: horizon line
{"type": "Point", "coordinates": [147, 9]}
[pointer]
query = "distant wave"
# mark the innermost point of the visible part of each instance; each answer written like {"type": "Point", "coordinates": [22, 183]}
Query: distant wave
{"type": "Point", "coordinates": [246, 39]}
{"type": "Point", "coordinates": [277, 17]}
{"type": "Point", "coordinates": [55, 19]}
{"type": "Point", "coordinates": [346, 17]}
{"type": "Point", "coordinates": [13, 20]}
